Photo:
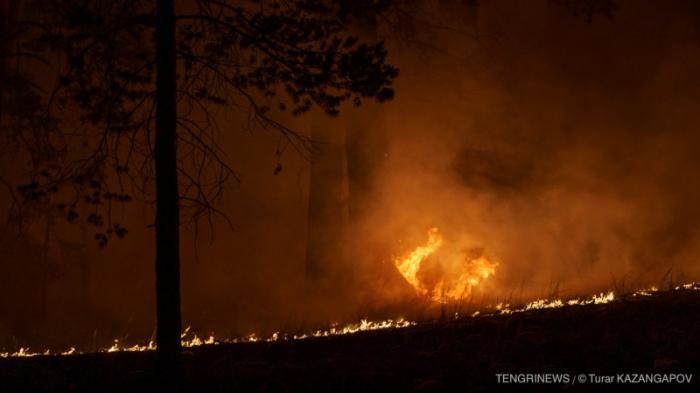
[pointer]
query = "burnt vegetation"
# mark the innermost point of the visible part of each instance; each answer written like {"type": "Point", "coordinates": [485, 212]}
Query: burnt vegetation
{"type": "Point", "coordinates": [647, 334]}
{"type": "Point", "coordinates": [109, 108]}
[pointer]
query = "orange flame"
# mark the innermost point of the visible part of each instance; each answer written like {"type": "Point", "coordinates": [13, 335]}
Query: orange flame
{"type": "Point", "coordinates": [409, 265]}
{"type": "Point", "coordinates": [469, 274]}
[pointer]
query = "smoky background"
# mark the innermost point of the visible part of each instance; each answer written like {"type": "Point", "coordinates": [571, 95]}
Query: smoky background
{"type": "Point", "coordinates": [564, 148]}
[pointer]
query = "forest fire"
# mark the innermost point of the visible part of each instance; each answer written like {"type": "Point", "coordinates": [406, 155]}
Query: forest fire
{"type": "Point", "coordinates": [442, 285]}
{"type": "Point", "coordinates": [190, 340]}
{"type": "Point", "coordinates": [540, 304]}
{"type": "Point", "coordinates": [222, 195]}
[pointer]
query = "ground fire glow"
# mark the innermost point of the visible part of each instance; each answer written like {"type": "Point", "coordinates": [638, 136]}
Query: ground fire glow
{"type": "Point", "coordinates": [190, 340]}
{"type": "Point", "coordinates": [439, 286]}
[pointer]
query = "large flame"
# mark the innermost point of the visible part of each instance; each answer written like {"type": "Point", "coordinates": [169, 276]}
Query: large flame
{"type": "Point", "coordinates": [409, 265]}
{"type": "Point", "coordinates": [445, 287]}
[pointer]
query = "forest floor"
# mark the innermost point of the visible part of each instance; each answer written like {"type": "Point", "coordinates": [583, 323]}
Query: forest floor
{"type": "Point", "coordinates": [655, 335]}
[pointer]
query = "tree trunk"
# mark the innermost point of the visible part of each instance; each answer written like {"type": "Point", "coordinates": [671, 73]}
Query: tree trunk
{"type": "Point", "coordinates": [4, 45]}
{"type": "Point", "coordinates": [44, 278]}
{"type": "Point", "coordinates": [365, 138]}
{"type": "Point", "coordinates": [327, 197]}
{"type": "Point", "coordinates": [169, 324]}
{"type": "Point", "coordinates": [8, 15]}
{"type": "Point", "coordinates": [347, 152]}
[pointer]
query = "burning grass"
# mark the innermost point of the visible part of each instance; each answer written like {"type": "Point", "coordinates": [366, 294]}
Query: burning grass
{"type": "Point", "coordinates": [445, 286]}
{"type": "Point", "coordinates": [644, 331]}
{"type": "Point", "coordinates": [191, 339]}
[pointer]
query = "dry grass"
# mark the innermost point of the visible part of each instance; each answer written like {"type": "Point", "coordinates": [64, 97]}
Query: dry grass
{"type": "Point", "coordinates": [636, 334]}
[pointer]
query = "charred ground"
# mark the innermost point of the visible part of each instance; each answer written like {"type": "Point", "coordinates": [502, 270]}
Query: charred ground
{"type": "Point", "coordinates": [658, 333]}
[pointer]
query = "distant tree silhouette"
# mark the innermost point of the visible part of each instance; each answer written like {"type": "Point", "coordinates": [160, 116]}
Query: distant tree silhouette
{"type": "Point", "coordinates": [9, 80]}
{"type": "Point", "coordinates": [8, 14]}
{"type": "Point", "coordinates": [346, 153]}
{"type": "Point", "coordinates": [142, 108]}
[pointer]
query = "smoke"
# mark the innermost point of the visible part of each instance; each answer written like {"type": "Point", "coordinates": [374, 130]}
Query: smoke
{"type": "Point", "coordinates": [564, 149]}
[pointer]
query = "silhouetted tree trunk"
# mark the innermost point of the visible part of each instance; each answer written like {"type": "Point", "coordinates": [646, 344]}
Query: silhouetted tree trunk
{"type": "Point", "coordinates": [86, 272]}
{"type": "Point", "coordinates": [347, 151]}
{"type": "Point", "coordinates": [167, 195]}
{"type": "Point", "coordinates": [113, 89]}
{"type": "Point", "coordinates": [4, 46]}
{"type": "Point", "coordinates": [8, 15]}
{"type": "Point", "coordinates": [327, 195]}
{"type": "Point", "coordinates": [365, 139]}
{"type": "Point", "coordinates": [44, 270]}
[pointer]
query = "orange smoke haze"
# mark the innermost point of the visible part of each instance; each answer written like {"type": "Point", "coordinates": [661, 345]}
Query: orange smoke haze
{"type": "Point", "coordinates": [554, 156]}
